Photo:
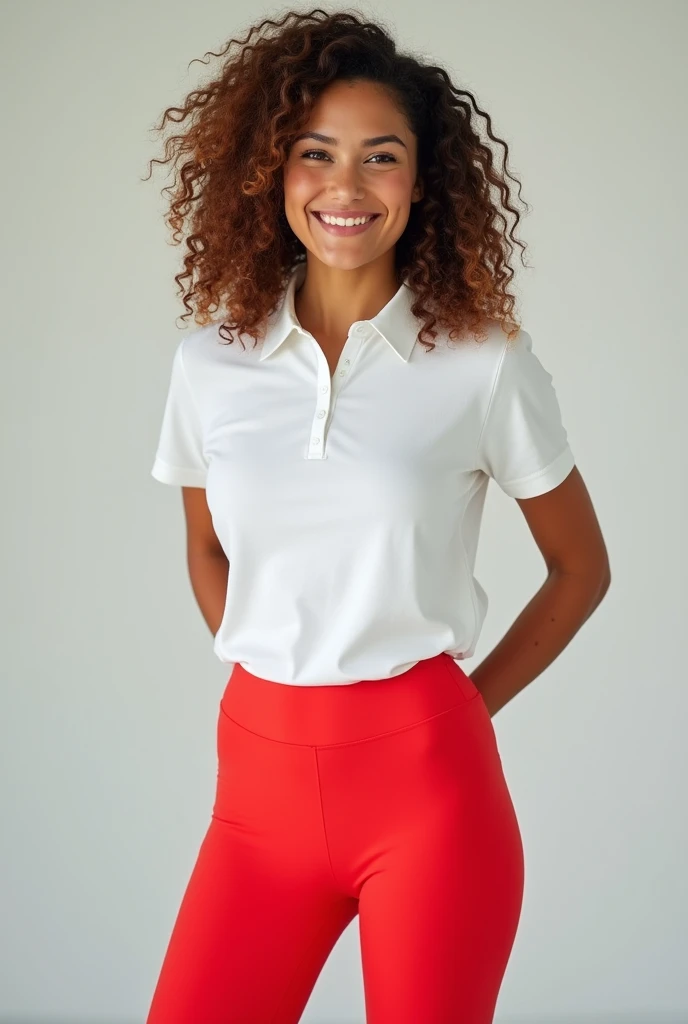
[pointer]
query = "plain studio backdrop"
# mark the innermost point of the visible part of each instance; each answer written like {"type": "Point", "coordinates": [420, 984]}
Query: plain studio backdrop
{"type": "Point", "coordinates": [110, 686]}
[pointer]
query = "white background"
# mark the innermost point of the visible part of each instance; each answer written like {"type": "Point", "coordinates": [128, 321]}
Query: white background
{"type": "Point", "coordinates": [109, 683]}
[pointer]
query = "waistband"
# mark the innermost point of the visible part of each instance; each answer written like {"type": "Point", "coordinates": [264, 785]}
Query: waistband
{"type": "Point", "coordinates": [345, 713]}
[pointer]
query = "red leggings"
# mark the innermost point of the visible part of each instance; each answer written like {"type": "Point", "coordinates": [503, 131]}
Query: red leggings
{"type": "Point", "coordinates": [384, 799]}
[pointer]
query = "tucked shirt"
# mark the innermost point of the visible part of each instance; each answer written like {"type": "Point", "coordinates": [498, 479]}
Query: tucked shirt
{"type": "Point", "coordinates": [349, 505]}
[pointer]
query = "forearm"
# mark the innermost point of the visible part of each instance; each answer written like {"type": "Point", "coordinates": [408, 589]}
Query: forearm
{"type": "Point", "coordinates": [544, 628]}
{"type": "Point", "coordinates": [208, 574]}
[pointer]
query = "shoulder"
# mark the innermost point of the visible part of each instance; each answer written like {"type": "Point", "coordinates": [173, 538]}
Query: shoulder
{"type": "Point", "coordinates": [198, 343]}
{"type": "Point", "coordinates": [508, 350]}
{"type": "Point", "coordinates": [485, 351]}
{"type": "Point", "coordinates": [204, 348]}
{"type": "Point", "coordinates": [201, 352]}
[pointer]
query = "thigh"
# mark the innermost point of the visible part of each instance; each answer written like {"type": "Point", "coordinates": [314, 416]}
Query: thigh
{"type": "Point", "coordinates": [260, 912]}
{"type": "Point", "coordinates": [438, 915]}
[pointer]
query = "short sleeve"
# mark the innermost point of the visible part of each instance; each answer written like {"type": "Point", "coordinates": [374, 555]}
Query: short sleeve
{"type": "Point", "coordinates": [179, 457]}
{"type": "Point", "coordinates": [524, 445]}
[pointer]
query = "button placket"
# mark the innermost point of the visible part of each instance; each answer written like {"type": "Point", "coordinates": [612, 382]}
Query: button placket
{"type": "Point", "coordinates": [331, 387]}
{"type": "Point", "coordinates": [316, 446]}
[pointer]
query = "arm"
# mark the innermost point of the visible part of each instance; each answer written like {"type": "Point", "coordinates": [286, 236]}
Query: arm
{"type": "Point", "coordinates": [207, 563]}
{"type": "Point", "coordinates": [565, 528]}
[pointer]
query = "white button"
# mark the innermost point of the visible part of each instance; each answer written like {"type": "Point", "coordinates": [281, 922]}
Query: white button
{"type": "Point", "coordinates": [342, 372]}
{"type": "Point", "coordinates": [347, 361]}
{"type": "Point", "coordinates": [321, 413]}
{"type": "Point", "coordinates": [316, 440]}
{"type": "Point", "coordinates": [360, 328]}
{"type": "Point", "coordinates": [324, 388]}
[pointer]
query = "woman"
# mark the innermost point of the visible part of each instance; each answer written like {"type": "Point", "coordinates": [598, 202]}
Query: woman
{"type": "Point", "coordinates": [333, 474]}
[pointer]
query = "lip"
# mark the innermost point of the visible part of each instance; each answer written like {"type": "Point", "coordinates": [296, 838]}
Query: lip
{"type": "Point", "coordinates": [336, 229]}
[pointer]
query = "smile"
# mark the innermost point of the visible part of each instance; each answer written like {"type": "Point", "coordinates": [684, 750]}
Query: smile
{"type": "Point", "coordinates": [345, 229]}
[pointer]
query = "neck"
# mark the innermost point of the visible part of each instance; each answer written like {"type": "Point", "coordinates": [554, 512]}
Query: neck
{"type": "Point", "coordinates": [331, 299]}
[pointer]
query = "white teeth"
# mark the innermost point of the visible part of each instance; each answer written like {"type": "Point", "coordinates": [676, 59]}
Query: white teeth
{"type": "Point", "coordinates": [344, 221]}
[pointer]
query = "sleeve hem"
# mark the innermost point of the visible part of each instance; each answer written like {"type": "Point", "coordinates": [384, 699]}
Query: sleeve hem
{"type": "Point", "coordinates": [545, 479]}
{"type": "Point", "coordinates": [184, 476]}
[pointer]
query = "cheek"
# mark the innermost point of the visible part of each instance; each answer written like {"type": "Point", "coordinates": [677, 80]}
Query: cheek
{"type": "Point", "coordinates": [298, 185]}
{"type": "Point", "coordinates": [395, 191]}
{"type": "Point", "coordinates": [298, 193]}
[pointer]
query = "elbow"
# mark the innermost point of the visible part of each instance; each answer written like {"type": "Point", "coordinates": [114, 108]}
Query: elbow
{"type": "Point", "coordinates": [604, 582]}
{"type": "Point", "coordinates": [594, 581]}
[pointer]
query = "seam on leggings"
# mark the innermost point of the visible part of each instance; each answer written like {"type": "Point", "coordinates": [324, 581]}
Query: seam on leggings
{"type": "Point", "coordinates": [365, 739]}
{"type": "Point", "coordinates": [322, 818]}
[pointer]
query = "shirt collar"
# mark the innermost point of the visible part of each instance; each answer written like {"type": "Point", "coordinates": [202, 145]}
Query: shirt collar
{"type": "Point", "coordinates": [394, 323]}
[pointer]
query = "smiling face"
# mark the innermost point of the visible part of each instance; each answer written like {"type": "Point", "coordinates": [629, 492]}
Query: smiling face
{"type": "Point", "coordinates": [355, 157]}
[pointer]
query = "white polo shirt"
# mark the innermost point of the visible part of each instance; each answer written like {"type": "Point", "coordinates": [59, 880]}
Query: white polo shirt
{"type": "Point", "coordinates": [349, 507]}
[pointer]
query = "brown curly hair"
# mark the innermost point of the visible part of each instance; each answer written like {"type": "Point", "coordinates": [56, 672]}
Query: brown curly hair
{"type": "Point", "coordinates": [241, 249]}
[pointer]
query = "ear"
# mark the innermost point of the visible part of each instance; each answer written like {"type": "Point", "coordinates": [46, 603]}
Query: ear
{"type": "Point", "coordinates": [417, 192]}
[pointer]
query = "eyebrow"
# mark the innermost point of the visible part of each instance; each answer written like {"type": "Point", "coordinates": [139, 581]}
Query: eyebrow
{"type": "Point", "coordinates": [331, 141]}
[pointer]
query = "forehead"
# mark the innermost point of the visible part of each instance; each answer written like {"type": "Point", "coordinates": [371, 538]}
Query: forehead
{"type": "Point", "coordinates": [368, 100]}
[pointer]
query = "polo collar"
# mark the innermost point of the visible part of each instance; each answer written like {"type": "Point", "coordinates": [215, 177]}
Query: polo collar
{"type": "Point", "coordinates": [394, 323]}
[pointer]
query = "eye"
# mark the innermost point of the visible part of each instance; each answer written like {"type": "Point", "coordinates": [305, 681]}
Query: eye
{"type": "Point", "coordinates": [321, 152]}
{"type": "Point", "coordinates": [313, 152]}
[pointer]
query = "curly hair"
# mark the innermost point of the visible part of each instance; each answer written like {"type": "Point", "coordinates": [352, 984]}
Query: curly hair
{"type": "Point", "coordinates": [240, 248]}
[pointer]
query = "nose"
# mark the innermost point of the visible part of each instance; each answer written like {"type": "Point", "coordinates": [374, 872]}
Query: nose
{"type": "Point", "coordinates": [345, 185]}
